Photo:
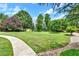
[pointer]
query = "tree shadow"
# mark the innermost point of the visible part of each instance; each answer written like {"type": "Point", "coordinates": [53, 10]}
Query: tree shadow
{"type": "Point", "coordinates": [69, 34]}
{"type": "Point", "coordinates": [54, 32]}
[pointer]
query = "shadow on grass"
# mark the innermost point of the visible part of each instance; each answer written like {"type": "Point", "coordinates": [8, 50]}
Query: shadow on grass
{"type": "Point", "coordinates": [68, 34]}
{"type": "Point", "coordinates": [54, 32]}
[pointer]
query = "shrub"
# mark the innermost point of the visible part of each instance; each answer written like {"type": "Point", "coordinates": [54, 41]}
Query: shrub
{"type": "Point", "coordinates": [71, 52]}
{"type": "Point", "coordinates": [56, 26]}
{"type": "Point", "coordinates": [71, 29]}
{"type": "Point", "coordinates": [12, 24]}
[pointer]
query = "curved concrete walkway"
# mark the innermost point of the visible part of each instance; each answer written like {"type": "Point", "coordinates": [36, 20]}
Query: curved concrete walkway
{"type": "Point", "coordinates": [20, 48]}
{"type": "Point", "coordinates": [74, 38]}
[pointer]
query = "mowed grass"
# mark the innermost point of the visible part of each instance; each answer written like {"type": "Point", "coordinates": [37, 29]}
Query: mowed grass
{"type": "Point", "coordinates": [5, 47]}
{"type": "Point", "coordinates": [71, 52]}
{"type": "Point", "coordinates": [41, 41]}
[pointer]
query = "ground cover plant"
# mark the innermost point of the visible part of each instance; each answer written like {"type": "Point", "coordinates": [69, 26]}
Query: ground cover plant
{"type": "Point", "coordinates": [71, 52]}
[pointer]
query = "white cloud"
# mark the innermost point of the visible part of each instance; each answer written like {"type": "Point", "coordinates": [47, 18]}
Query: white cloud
{"type": "Point", "coordinates": [15, 10]}
{"type": "Point", "coordinates": [8, 13]}
{"type": "Point", "coordinates": [59, 17]}
{"type": "Point", "coordinates": [3, 7]}
{"type": "Point", "coordinates": [49, 11]}
{"type": "Point", "coordinates": [12, 11]}
{"type": "Point", "coordinates": [34, 19]}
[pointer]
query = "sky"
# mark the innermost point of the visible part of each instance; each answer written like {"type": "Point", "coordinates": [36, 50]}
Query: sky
{"type": "Point", "coordinates": [33, 9]}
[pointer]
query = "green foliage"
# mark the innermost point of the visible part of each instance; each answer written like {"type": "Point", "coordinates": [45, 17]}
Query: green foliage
{"type": "Point", "coordinates": [56, 26]}
{"type": "Point", "coordinates": [71, 29]}
{"type": "Point", "coordinates": [12, 24]}
{"type": "Point", "coordinates": [26, 19]}
{"type": "Point", "coordinates": [39, 24]}
{"type": "Point", "coordinates": [61, 7]}
{"type": "Point", "coordinates": [71, 52]}
{"type": "Point", "coordinates": [3, 17]}
{"type": "Point", "coordinates": [73, 15]}
{"type": "Point", "coordinates": [74, 12]}
{"type": "Point", "coordinates": [8, 27]}
{"type": "Point", "coordinates": [66, 24]}
{"type": "Point", "coordinates": [47, 21]}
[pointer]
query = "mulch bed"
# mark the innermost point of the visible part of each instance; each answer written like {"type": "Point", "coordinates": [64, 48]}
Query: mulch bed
{"type": "Point", "coordinates": [55, 52]}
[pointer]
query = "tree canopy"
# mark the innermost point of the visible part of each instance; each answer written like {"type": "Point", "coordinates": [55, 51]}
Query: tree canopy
{"type": "Point", "coordinates": [47, 21]}
{"type": "Point", "coordinates": [25, 18]}
{"type": "Point", "coordinates": [44, 22]}
{"type": "Point", "coordinates": [39, 23]}
{"type": "Point", "coordinates": [2, 17]}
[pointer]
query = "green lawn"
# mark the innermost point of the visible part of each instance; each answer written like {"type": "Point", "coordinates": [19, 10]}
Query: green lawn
{"type": "Point", "coordinates": [5, 47]}
{"type": "Point", "coordinates": [41, 41]}
{"type": "Point", "coordinates": [71, 52]}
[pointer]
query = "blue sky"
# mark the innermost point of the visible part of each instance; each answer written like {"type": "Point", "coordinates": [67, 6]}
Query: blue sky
{"type": "Point", "coordinates": [33, 9]}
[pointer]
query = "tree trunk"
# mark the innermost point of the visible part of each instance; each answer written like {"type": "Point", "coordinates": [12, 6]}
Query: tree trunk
{"type": "Point", "coordinates": [71, 34]}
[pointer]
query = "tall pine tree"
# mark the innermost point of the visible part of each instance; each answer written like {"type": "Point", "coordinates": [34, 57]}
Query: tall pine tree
{"type": "Point", "coordinates": [39, 24]}
{"type": "Point", "coordinates": [47, 21]}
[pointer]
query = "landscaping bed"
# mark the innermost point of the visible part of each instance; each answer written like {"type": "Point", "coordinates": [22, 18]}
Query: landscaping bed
{"type": "Point", "coordinates": [71, 52]}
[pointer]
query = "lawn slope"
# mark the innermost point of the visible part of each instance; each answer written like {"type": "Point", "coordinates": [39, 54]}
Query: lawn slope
{"type": "Point", "coordinates": [5, 47]}
{"type": "Point", "coordinates": [41, 41]}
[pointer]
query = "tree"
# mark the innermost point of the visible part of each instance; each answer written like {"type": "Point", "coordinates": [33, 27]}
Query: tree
{"type": "Point", "coordinates": [59, 8]}
{"type": "Point", "coordinates": [26, 19]}
{"type": "Point", "coordinates": [47, 21]}
{"type": "Point", "coordinates": [73, 15]}
{"type": "Point", "coordinates": [61, 24]}
{"type": "Point", "coordinates": [74, 12]}
{"type": "Point", "coordinates": [64, 22]}
{"type": "Point", "coordinates": [71, 29]}
{"type": "Point", "coordinates": [39, 24]}
{"type": "Point", "coordinates": [3, 17]}
{"type": "Point", "coordinates": [57, 26]}
{"type": "Point", "coordinates": [12, 24]}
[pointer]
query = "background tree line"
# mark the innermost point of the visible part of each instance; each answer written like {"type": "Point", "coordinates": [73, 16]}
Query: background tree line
{"type": "Point", "coordinates": [22, 21]}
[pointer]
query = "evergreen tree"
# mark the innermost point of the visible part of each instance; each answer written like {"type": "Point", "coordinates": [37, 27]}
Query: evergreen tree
{"type": "Point", "coordinates": [26, 19]}
{"type": "Point", "coordinates": [47, 21]}
{"type": "Point", "coordinates": [39, 24]}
